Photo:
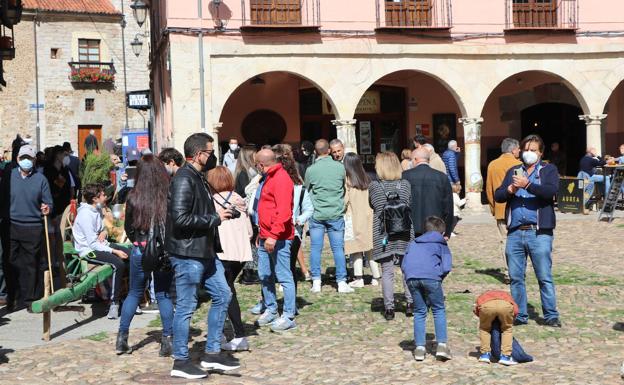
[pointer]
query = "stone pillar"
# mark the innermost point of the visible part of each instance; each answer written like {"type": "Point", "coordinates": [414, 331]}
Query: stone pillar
{"type": "Point", "coordinates": [594, 130]}
{"type": "Point", "coordinates": [214, 132]}
{"type": "Point", "coordinates": [472, 163]}
{"type": "Point", "coordinates": [345, 130]}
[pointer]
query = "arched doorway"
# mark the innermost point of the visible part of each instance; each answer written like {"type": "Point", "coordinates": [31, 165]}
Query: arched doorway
{"type": "Point", "coordinates": [613, 125]}
{"type": "Point", "coordinates": [557, 123]}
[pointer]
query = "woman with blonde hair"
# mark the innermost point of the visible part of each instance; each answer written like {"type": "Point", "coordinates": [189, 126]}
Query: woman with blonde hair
{"type": "Point", "coordinates": [389, 249]}
{"type": "Point", "coordinates": [406, 159]}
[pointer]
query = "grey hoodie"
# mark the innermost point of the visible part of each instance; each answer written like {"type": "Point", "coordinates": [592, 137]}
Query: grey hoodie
{"type": "Point", "coordinates": [87, 226]}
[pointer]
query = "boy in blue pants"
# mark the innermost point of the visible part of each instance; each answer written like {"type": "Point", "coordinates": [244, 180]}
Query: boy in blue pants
{"type": "Point", "coordinates": [425, 265]}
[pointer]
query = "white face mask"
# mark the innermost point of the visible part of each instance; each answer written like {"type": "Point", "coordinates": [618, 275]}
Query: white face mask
{"type": "Point", "coordinates": [529, 158]}
{"type": "Point", "coordinates": [169, 169]}
{"type": "Point", "coordinates": [66, 161]}
{"type": "Point", "coordinates": [233, 147]}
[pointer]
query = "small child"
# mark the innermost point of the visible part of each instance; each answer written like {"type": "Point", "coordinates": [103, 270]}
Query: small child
{"type": "Point", "coordinates": [458, 204]}
{"type": "Point", "coordinates": [491, 305]}
{"type": "Point", "coordinates": [426, 263]}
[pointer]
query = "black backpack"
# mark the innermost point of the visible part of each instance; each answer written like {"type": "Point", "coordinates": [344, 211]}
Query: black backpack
{"type": "Point", "coordinates": [396, 215]}
{"type": "Point", "coordinates": [155, 257]}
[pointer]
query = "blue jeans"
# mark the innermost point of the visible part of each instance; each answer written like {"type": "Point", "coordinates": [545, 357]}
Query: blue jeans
{"type": "Point", "coordinates": [538, 245]}
{"type": "Point", "coordinates": [138, 282]}
{"type": "Point", "coordinates": [335, 232]}
{"type": "Point", "coordinates": [428, 293]}
{"type": "Point", "coordinates": [189, 274]}
{"type": "Point", "coordinates": [277, 265]}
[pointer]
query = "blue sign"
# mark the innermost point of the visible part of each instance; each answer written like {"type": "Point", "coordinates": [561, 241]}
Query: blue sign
{"type": "Point", "coordinates": [33, 106]}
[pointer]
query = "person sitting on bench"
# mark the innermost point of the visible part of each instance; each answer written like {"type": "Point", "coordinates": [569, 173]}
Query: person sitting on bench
{"type": "Point", "coordinates": [90, 237]}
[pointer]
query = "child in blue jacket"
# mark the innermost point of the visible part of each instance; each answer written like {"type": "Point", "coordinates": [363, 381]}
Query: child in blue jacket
{"type": "Point", "coordinates": [425, 265]}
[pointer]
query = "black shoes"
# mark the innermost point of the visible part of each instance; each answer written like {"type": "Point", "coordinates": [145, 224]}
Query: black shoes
{"type": "Point", "coordinates": [121, 346]}
{"type": "Point", "coordinates": [553, 323]}
{"type": "Point", "coordinates": [187, 369]}
{"type": "Point", "coordinates": [519, 323]}
{"type": "Point", "coordinates": [389, 314]}
{"type": "Point", "coordinates": [166, 346]}
{"type": "Point", "coordinates": [219, 361]}
{"type": "Point", "coordinates": [409, 310]}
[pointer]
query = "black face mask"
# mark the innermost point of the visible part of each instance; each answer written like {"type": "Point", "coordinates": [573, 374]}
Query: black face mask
{"type": "Point", "coordinates": [210, 163]}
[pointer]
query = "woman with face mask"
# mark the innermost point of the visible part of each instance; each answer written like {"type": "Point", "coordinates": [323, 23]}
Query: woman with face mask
{"type": "Point", "coordinates": [529, 190]}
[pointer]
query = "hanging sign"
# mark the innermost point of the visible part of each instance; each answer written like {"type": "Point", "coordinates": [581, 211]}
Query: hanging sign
{"type": "Point", "coordinates": [139, 100]}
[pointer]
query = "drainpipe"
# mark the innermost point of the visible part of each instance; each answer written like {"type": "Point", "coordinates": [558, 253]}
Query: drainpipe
{"type": "Point", "coordinates": [38, 126]}
{"type": "Point", "coordinates": [123, 48]}
{"type": "Point", "coordinates": [202, 98]}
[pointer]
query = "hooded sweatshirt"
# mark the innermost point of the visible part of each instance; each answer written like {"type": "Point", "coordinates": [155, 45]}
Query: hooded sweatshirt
{"type": "Point", "coordinates": [87, 226]}
{"type": "Point", "coordinates": [427, 257]}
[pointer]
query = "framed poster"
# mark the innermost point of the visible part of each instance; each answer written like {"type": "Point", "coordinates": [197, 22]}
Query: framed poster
{"type": "Point", "coordinates": [366, 138]}
{"type": "Point", "coordinates": [444, 130]}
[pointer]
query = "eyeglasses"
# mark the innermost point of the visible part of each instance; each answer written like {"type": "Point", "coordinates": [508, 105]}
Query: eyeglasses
{"type": "Point", "coordinates": [207, 152]}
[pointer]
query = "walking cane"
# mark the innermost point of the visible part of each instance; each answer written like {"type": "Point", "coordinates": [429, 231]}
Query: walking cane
{"type": "Point", "coordinates": [45, 221]}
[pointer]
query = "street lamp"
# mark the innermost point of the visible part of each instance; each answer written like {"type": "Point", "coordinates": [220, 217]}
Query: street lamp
{"type": "Point", "coordinates": [137, 46]}
{"type": "Point", "coordinates": [139, 10]}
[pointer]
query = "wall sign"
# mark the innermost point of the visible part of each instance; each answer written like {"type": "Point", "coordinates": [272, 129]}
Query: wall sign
{"type": "Point", "coordinates": [570, 195]}
{"type": "Point", "coordinates": [139, 100]}
{"type": "Point", "coordinates": [365, 138]}
{"type": "Point", "coordinates": [369, 104]}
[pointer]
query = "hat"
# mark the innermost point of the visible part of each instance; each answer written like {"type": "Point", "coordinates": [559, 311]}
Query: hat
{"type": "Point", "coordinates": [26, 150]}
{"type": "Point", "coordinates": [132, 154]}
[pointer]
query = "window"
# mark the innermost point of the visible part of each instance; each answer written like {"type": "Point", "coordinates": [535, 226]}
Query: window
{"type": "Point", "coordinates": [55, 53]}
{"type": "Point", "coordinates": [88, 50]}
{"type": "Point", "coordinates": [89, 104]}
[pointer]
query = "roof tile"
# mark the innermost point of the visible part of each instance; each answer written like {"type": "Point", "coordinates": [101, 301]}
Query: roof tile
{"type": "Point", "coordinates": [72, 6]}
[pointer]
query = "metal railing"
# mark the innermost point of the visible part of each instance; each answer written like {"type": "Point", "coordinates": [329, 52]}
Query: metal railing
{"type": "Point", "coordinates": [281, 13]}
{"type": "Point", "coordinates": [414, 14]}
{"type": "Point", "coordinates": [541, 14]}
{"type": "Point", "coordinates": [92, 72]}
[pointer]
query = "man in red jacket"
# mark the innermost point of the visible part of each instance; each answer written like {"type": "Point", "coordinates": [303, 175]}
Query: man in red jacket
{"type": "Point", "coordinates": [275, 211]}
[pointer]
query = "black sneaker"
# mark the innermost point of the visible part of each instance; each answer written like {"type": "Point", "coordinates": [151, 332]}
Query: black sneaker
{"type": "Point", "coordinates": [187, 369]}
{"type": "Point", "coordinates": [219, 361]}
{"type": "Point", "coordinates": [409, 310]}
{"type": "Point", "coordinates": [553, 323]}
{"type": "Point", "coordinates": [519, 323]}
{"type": "Point", "coordinates": [389, 314]}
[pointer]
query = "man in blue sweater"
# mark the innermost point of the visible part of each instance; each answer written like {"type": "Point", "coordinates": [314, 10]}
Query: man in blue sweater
{"type": "Point", "coordinates": [529, 190]}
{"type": "Point", "coordinates": [29, 199]}
{"type": "Point", "coordinates": [450, 161]}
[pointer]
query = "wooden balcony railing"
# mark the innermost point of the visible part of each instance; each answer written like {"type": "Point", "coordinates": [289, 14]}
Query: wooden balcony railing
{"type": "Point", "coordinates": [92, 72]}
{"type": "Point", "coordinates": [417, 14]}
{"type": "Point", "coordinates": [541, 14]}
{"type": "Point", "coordinates": [282, 13]}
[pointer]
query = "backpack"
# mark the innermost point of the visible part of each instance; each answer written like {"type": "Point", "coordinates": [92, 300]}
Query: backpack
{"type": "Point", "coordinates": [396, 215]}
{"type": "Point", "coordinates": [155, 257]}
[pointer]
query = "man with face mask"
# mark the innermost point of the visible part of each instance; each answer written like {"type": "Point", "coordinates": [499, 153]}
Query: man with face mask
{"type": "Point", "coordinates": [172, 159]}
{"type": "Point", "coordinates": [529, 190]}
{"type": "Point", "coordinates": [25, 200]}
{"type": "Point", "coordinates": [192, 241]}
{"type": "Point", "coordinates": [229, 159]}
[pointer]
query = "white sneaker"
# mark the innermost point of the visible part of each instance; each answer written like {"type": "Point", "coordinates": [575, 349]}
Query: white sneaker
{"type": "Point", "coordinates": [316, 286]}
{"type": "Point", "coordinates": [375, 282]}
{"type": "Point", "coordinates": [344, 288]}
{"type": "Point", "coordinates": [357, 283]}
{"type": "Point", "coordinates": [236, 345]}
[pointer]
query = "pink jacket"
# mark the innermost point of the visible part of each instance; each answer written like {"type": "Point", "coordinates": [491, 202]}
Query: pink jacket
{"type": "Point", "coordinates": [235, 234]}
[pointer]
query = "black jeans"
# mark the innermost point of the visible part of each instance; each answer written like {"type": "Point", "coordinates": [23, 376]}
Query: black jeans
{"type": "Point", "coordinates": [26, 264]}
{"type": "Point", "coordinates": [119, 267]}
{"type": "Point", "coordinates": [294, 250]}
{"type": "Point", "coordinates": [232, 270]}
{"type": "Point", "coordinates": [9, 276]}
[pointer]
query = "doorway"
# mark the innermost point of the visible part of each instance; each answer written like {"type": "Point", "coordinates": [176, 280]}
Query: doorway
{"type": "Point", "coordinates": [558, 122]}
{"type": "Point", "coordinates": [83, 132]}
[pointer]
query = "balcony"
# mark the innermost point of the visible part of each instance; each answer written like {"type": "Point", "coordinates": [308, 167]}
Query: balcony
{"type": "Point", "coordinates": [413, 15]}
{"type": "Point", "coordinates": [541, 15]}
{"type": "Point", "coordinates": [303, 15]}
{"type": "Point", "coordinates": [85, 73]}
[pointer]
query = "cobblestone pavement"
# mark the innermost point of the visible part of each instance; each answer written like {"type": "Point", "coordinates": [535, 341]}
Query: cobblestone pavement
{"type": "Point", "coordinates": [343, 339]}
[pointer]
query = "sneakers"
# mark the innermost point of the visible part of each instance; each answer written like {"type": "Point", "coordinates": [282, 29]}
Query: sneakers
{"type": "Point", "coordinates": [283, 324]}
{"type": "Point", "coordinates": [507, 360]}
{"type": "Point", "coordinates": [186, 369]}
{"type": "Point", "coordinates": [486, 358]}
{"type": "Point", "coordinates": [166, 346]}
{"type": "Point", "coordinates": [419, 353]}
{"type": "Point", "coordinates": [138, 311]}
{"type": "Point", "coordinates": [358, 283]}
{"type": "Point", "coordinates": [316, 286]}
{"type": "Point", "coordinates": [258, 308]}
{"type": "Point", "coordinates": [219, 361]}
{"type": "Point", "coordinates": [307, 276]}
{"type": "Point", "coordinates": [113, 311]}
{"type": "Point", "coordinates": [553, 323]}
{"type": "Point", "coordinates": [443, 352]}
{"type": "Point", "coordinates": [375, 282]}
{"type": "Point", "coordinates": [121, 346]}
{"type": "Point", "coordinates": [389, 314]}
{"type": "Point", "coordinates": [344, 288]}
{"type": "Point", "coordinates": [236, 345]}
{"type": "Point", "coordinates": [266, 318]}
{"type": "Point", "coordinates": [152, 308]}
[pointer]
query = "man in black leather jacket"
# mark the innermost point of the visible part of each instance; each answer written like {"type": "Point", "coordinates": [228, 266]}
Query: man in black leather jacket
{"type": "Point", "coordinates": [192, 241]}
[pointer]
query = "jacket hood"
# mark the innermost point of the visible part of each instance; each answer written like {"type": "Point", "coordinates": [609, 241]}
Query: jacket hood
{"type": "Point", "coordinates": [88, 207]}
{"type": "Point", "coordinates": [431, 237]}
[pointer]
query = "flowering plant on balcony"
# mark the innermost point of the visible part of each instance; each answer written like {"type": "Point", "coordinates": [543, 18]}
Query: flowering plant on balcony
{"type": "Point", "coordinates": [92, 75]}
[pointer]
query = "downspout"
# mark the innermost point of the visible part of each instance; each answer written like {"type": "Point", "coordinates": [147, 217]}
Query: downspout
{"type": "Point", "coordinates": [38, 126]}
{"type": "Point", "coordinates": [202, 98]}
{"type": "Point", "coordinates": [123, 48]}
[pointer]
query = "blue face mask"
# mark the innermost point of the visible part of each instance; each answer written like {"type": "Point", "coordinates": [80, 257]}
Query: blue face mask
{"type": "Point", "coordinates": [25, 164]}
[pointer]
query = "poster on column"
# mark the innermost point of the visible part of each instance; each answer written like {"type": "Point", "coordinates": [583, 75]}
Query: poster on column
{"type": "Point", "coordinates": [473, 167]}
{"type": "Point", "coordinates": [365, 137]}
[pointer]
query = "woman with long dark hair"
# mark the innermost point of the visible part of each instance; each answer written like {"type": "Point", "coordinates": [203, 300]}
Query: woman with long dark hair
{"type": "Point", "coordinates": [358, 219]}
{"type": "Point", "coordinates": [146, 207]}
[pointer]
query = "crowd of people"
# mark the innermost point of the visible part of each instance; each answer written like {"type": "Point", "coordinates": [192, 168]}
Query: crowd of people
{"type": "Point", "coordinates": [211, 225]}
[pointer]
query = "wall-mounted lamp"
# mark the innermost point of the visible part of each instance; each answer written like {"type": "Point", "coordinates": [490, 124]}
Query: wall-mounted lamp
{"type": "Point", "coordinates": [139, 10]}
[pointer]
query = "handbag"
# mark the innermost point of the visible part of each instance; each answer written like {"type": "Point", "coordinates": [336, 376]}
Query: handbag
{"type": "Point", "coordinates": [155, 257]}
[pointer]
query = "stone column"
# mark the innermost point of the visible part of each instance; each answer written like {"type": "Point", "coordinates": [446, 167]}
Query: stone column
{"type": "Point", "coordinates": [594, 130]}
{"type": "Point", "coordinates": [472, 163]}
{"type": "Point", "coordinates": [345, 130]}
{"type": "Point", "coordinates": [214, 132]}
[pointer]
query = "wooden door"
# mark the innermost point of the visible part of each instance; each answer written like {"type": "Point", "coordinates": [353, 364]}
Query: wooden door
{"type": "Point", "coordinates": [535, 13]}
{"type": "Point", "coordinates": [408, 13]}
{"type": "Point", "coordinates": [83, 132]}
{"type": "Point", "coordinates": [275, 12]}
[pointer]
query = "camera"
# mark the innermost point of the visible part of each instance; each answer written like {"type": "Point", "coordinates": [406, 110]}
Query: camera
{"type": "Point", "coordinates": [235, 213]}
